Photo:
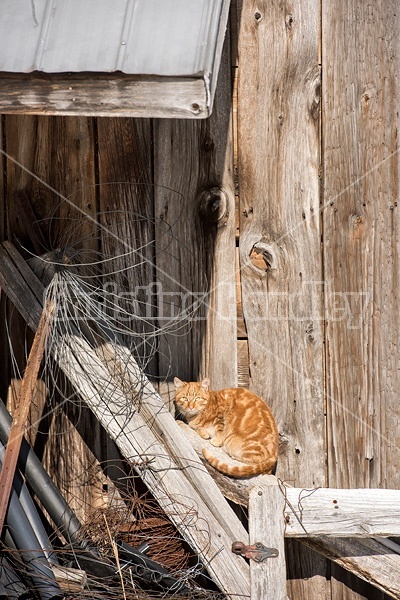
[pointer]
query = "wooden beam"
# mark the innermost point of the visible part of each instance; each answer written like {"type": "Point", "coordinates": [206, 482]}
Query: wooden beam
{"type": "Point", "coordinates": [280, 237]}
{"type": "Point", "coordinates": [103, 95]}
{"type": "Point", "coordinates": [267, 578]}
{"type": "Point", "coordinates": [341, 513]}
{"type": "Point", "coordinates": [195, 225]}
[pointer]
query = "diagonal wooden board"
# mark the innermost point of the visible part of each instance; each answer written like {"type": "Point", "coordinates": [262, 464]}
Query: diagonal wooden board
{"type": "Point", "coordinates": [204, 518]}
{"type": "Point", "coordinates": [21, 413]}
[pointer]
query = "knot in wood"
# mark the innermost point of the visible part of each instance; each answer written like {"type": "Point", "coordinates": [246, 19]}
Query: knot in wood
{"type": "Point", "coordinates": [261, 256]}
{"type": "Point", "coordinates": [214, 206]}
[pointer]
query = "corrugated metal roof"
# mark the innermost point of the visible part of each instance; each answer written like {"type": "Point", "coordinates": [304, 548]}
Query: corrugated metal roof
{"type": "Point", "coordinates": [149, 37]}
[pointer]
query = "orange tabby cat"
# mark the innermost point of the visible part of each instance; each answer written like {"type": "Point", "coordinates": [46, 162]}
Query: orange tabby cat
{"type": "Point", "coordinates": [235, 419]}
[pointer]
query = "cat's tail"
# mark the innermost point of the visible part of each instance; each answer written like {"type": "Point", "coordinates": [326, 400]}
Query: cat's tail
{"type": "Point", "coordinates": [243, 470]}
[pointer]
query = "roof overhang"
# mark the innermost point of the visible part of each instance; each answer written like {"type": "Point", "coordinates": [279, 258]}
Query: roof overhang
{"type": "Point", "coordinates": [138, 58]}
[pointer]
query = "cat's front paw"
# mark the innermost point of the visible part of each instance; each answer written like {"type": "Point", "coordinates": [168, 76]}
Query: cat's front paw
{"type": "Point", "coordinates": [203, 433]}
{"type": "Point", "coordinates": [216, 441]}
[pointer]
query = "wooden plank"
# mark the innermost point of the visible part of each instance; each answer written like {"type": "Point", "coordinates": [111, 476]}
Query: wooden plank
{"type": "Point", "coordinates": [20, 416]}
{"type": "Point", "coordinates": [126, 203]}
{"type": "Point", "coordinates": [280, 235]}
{"type": "Point", "coordinates": [361, 248]}
{"type": "Point", "coordinates": [39, 401]}
{"type": "Point", "coordinates": [167, 482]}
{"type": "Point", "coordinates": [267, 578]}
{"type": "Point", "coordinates": [362, 244]}
{"type": "Point", "coordinates": [104, 95]}
{"type": "Point", "coordinates": [315, 512]}
{"type": "Point", "coordinates": [58, 154]}
{"type": "Point", "coordinates": [195, 240]}
{"type": "Point", "coordinates": [342, 512]}
{"type": "Point", "coordinates": [212, 523]}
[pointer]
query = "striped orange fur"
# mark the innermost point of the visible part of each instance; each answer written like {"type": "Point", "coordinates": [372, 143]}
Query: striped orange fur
{"type": "Point", "coordinates": [236, 420]}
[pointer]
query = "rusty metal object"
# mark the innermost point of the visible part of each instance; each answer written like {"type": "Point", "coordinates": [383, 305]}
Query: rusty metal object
{"type": "Point", "coordinates": [257, 552]}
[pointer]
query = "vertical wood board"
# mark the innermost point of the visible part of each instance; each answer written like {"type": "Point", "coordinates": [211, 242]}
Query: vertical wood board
{"type": "Point", "coordinates": [126, 226]}
{"type": "Point", "coordinates": [361, 243]}
{"type": "Point", "coordinates": [195, 240]}
{"type": "Point", "coordinates": [280, 236]}
{"type": "Point", "coordinates": [280, 231]}
{"type": "Point", "coordinates": [267, 526]}
{"type": "Point", "coordinates": [361, 250]}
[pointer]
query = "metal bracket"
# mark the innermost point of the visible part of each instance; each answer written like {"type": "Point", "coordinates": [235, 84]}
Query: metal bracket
{"type": "Point", "coordinates": [257, 552]}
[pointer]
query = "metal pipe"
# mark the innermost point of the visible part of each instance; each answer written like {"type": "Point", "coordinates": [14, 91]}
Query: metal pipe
{"type": "Point", "coordinates": [30, 552]}
{"type": "Point", "coordinates": [42, 485]}
{"type": "Point", "coordinates": [12, 584]}
{"type": "Point", "coordinates": [29, 508]}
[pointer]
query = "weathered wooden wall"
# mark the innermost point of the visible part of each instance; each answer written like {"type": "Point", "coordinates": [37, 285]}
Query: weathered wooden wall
{"type": "Point", "coordinates": [318, 189]}
{"type": "Point", "coordinates": [303, 140]}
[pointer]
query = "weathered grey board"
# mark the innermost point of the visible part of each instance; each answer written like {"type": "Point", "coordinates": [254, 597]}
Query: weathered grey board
{"type": "Point", "coordinates": [267, 578]}
{"type": "Point", "coordinates": [361, 238]}
{"type": "Point", "coordinates": [280, 235]}
{"type": "Point", "coordinates": [342, 512]}
{"type": "Point", "coordinates": [103, 95]}
{"type": "Point", "coordinates": [194, 211]}
{"type": "Point", "coordinates": [361, 246]}
{"type": "Point", "coordinates": [210, 537]}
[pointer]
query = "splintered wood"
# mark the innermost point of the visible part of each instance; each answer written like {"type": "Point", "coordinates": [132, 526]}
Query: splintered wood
{"type": "Point", "coordinates": [24, 403]}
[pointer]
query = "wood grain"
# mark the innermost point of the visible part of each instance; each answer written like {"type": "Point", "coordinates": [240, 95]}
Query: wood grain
{"type": "Point", "coordinates": [361, 239]}
{"type": "Point", "coordinates": [52, 159]}
{"type": "Point", "coordinates": [361, 248]}
{"type": "Point", "coordinates": [368, 560]}
{"type": "Point", "coordinates": [104, 95]}
{"type": "Point", "coordinates": [20, 417]}
{"type": "Point", "coordinates": [278, 151]}
{"type": "Point", "coordinates": [280, 232]}
{"type": "Point", "coordinates": [268, 578]}
{"type": "Point", "coordinates": [342, 512]}
{"type": "Point", "coordinates": [126, 221]}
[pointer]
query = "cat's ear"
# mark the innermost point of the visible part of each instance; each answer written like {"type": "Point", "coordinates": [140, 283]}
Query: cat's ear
{"type": "Point", "coordinates": [178, 383]}
{"type": "Point", "coordinates": [205, 383]}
